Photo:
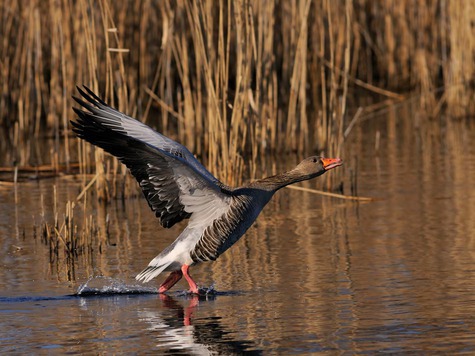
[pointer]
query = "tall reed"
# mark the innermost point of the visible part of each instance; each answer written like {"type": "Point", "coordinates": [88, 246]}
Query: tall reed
{"type": "Point", "coordinates": [233, 80]}
{"type": "Point", "coordinates": [66, 240]}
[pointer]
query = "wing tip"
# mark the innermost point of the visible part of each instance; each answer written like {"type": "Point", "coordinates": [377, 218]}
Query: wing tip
{"type": "Point", "coordinates": [90, 96]}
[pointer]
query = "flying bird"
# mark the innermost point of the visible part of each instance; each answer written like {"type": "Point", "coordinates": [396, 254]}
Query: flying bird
{"type": "Point", "coordinates": [178, 187]}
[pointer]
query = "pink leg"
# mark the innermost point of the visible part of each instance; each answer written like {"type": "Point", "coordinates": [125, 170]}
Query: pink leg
{"type": "Point", "coordinates": [191, 282]}
{"type": "Point", "coordinates": [174, 277]}
{"type": "Point", "coordinates": [188, 312]}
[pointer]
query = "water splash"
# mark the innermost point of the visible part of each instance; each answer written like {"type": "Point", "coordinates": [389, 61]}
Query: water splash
{"type": "Point", "coordinates": [111, 286]}
{"type": "Point", "coordinates": [208, 291]}
{"type": "Point", "coordinates": [202, 292]}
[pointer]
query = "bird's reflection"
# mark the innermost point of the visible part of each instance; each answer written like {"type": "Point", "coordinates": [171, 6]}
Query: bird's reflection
{"type": "Point", "coordinates": [177, 331]}
{"type": "Point", "coordinates": [183, 313]}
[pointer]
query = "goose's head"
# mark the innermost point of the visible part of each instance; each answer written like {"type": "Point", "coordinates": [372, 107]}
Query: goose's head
{"type": "Point", "coordinates": [315, 166]}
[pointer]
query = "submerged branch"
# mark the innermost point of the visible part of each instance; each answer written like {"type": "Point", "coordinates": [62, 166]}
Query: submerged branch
{"type": "Point", "coordinates": [89, 185]}
{"type": "Point", "coordinates": [328, 194]}
{"type": "Point", "coordinates": [42, 168]}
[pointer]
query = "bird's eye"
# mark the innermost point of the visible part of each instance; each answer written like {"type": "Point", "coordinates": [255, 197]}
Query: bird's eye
{"type": "Point", "coordinates": [314, 160]}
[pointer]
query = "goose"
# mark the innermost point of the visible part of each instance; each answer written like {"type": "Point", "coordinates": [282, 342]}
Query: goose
{"type": "Point", "coordinates": [178, 187]}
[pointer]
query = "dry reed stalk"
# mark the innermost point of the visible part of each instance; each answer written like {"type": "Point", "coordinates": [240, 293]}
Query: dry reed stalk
{"type": "Point", "coordinates": [233, 80]}
{"type": "Point", "coordinates": [298, 81]}
{"type": "Point", "coordinates": [460, 67]}
{"type": "Point", "coordinates": [66, 241]}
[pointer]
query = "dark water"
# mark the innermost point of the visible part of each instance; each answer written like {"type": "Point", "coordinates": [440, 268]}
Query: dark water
{"type": "Point", "coordinates": [315, 274]}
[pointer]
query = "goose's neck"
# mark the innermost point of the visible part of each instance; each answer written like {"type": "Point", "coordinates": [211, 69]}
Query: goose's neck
{"type": "Point", "coordinates": [279, 181]}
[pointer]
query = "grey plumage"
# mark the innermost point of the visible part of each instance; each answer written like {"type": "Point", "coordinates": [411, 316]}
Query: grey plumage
{"type": "Point", "coordinates": [177, 187]}
{"type": "Point", "coordinates": [226, 230]}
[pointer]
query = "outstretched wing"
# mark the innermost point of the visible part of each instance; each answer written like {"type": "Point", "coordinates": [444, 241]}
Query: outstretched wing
{"type": "Point", "coordinates": [174, 183]}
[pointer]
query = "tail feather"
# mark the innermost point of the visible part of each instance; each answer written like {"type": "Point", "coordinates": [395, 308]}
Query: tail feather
{"type": "Point", "coordinates": [151, 272]}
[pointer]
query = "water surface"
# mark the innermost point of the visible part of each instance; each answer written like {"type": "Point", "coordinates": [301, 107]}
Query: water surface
{"type": "Point", "coordinates": [314, 274]}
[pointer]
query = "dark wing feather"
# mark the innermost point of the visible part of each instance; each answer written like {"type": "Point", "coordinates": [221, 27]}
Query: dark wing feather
{"type": "Point", "coordinates": [152, 158]}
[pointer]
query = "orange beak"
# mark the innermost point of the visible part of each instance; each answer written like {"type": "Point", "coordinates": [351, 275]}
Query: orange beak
{"type": "Point", "coordinates": [329, 163]}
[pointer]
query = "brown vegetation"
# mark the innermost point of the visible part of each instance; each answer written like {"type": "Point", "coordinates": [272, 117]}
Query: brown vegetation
{"type": "Point", "coordinates": [65, 239]}
{"type": "Point", "coordinates": [232, 80]}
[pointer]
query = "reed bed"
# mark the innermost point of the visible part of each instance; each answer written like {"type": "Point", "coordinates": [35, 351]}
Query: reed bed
{"type": "Point", "coordinates": [68, 239]}
{"type": "Point", "coordinates": [232, 80]}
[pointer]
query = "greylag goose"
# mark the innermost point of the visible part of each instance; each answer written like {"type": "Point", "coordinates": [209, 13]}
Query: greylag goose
{"type": "Point", "coordinates": [177, 187]}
